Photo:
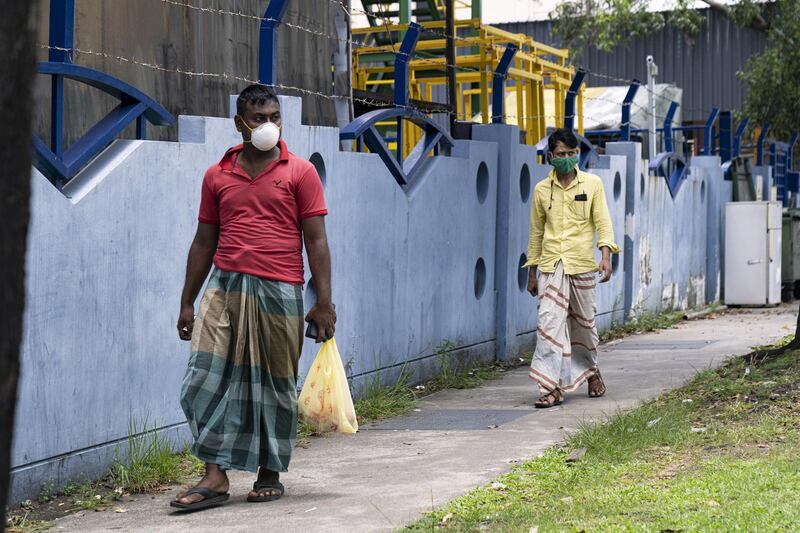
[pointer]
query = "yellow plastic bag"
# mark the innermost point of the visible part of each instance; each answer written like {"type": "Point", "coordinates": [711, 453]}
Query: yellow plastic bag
{"type": "Point", "coordinates": [325, 400]}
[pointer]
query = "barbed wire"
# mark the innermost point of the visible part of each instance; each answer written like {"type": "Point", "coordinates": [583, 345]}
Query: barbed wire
{"type": "Point", "coordinates": [360, 45]}
{"type": "Point", "coordinates": [226, 76]}
{"type": "Point", "coordinates": [353, 44]}
{"type": "Point", "coordinates": [384, 17]}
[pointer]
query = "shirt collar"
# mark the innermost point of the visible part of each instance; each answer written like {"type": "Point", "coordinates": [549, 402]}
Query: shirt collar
{"type": "Point", "coordinates": [228, 160]}
{"type": "Point", "coordinates": [579, 179]}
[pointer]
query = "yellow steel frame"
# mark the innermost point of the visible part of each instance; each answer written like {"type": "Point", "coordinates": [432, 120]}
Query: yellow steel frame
{"type": "Point", "coordinates": [536, 68]}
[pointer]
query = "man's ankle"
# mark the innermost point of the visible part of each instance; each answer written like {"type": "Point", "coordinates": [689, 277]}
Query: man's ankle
{"type": "Point", "coordinates": [265, 474]}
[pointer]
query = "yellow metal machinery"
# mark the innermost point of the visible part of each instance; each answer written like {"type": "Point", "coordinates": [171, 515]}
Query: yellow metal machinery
{"type": "Point", "coordinates": [537, 70]}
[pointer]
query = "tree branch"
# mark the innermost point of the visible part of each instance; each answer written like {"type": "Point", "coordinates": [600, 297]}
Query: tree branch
{"type": "Point", "coordinates": [758, 22]}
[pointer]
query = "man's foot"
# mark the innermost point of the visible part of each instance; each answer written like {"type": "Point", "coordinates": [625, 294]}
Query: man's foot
{"type": "Point", "coordinates": [214, 486]}
{"type": "Point", "coordinates": [597, 387]}
{"type": "Point", "coordinates": [267, 487]}
{"type": "Point", "coordinates": [551, 399]}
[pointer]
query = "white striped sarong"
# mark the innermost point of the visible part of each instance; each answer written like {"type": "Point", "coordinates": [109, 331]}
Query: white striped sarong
{"type": "Point", "coordinates": [566, 345]}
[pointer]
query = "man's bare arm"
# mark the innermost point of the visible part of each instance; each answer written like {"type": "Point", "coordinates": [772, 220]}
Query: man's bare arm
{"type": "Point", "coordinates": [198, 264]}
{"type": "Point", "coordinates": [319, 259]}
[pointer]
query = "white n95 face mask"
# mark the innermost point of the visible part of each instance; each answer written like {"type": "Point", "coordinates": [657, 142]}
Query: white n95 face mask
{"type": "Point", "coordinates": [265, 136]}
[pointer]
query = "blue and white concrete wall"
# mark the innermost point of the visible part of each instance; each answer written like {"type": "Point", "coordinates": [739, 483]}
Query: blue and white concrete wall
{"type": "Point", "coordinates": [415, 273]}
{"type": "Point", "coordinates": [612, 170]}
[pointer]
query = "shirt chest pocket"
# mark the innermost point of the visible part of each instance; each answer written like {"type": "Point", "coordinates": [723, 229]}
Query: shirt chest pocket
{"type": "Point", "coordinates": [578, 207]}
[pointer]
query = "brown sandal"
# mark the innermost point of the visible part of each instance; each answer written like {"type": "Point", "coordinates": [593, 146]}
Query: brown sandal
{"type": "Point", "coordinates": [551, 399]}
{"type": "Point", "coordinates": [596, 390]}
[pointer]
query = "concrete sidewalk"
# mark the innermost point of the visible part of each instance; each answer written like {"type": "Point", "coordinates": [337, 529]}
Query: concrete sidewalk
{"type": "Point", "coordinates": [389, 473]}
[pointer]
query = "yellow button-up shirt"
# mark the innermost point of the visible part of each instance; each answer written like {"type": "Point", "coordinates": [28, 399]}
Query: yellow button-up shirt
{"type": "Point", "coordinates": [564, 222]}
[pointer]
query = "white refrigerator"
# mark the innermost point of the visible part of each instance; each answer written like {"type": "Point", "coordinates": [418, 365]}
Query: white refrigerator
{"type": "Point", "coordinates": [753, 253]}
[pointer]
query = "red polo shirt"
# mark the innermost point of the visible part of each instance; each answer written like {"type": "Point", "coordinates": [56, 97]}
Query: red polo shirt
{"type": "Point", "coordinates": [260, 219]}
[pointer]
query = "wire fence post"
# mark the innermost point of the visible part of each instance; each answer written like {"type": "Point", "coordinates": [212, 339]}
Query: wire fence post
{"type": "Point", "coordinates": [499, 83]}
{"type": "Point", "coordinates": [268, 41]}
{"type": "Point", "coordinates": [401, 72]}
{"type": "Point", "coordinates": [725, 135]}
{"type": "Point", "coordinates": [668, 143]}
{"type": "Point", "coordinates": [569, 100]}
{"type": "Point", "coordinates": [625, 127]}
{"type": "Point", "coordinates": [762, 136]}
{"type": "Point", "coordinates": [708, 132]}
{"type": "Point", "coordinates": [737, 138]}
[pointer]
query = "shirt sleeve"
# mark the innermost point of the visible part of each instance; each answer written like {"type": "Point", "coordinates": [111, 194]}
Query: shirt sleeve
{"type": "Point", "coordinates": [602, 220]}
{"type": "Point", "coordinates": [536, 233]}
{"type": "Point", "coordinates": [209, 203]}
{"type": "Point", "coordinates": [309, 194]}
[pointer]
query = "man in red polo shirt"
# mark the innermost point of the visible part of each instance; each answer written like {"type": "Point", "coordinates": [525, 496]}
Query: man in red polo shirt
{"type": "Point", "coordinates": [258, 205]}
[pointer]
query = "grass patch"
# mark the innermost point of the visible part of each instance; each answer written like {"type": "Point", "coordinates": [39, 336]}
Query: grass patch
{"type": "Point", "coordinates": [151, 462]}
{"type": "Point", "coordinates": [719, 454]}
{"type": "Point", "coordinates": [456, 375]}
{"type": "Point", "coordinates": [642, 323]}
{"type": "Point", "coordinates": [378, 402]}
{"type": "Point", "coordinates": [149, 466]}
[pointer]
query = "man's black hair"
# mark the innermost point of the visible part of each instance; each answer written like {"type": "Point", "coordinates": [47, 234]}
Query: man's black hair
{"type": "Point", "coordinates": [255, 94]}
{"type": "Point", "coordinates": [564, 135]}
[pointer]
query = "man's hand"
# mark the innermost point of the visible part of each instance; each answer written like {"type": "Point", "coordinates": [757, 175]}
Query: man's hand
{"type": "Point", "coordinates": [186, 322]}
{"type": "Point", "coordinates": [324, 316]}
{"type": "Point", "coordinates": [605, 270]}
{"type": "Point", "coordinates": [533, 286]}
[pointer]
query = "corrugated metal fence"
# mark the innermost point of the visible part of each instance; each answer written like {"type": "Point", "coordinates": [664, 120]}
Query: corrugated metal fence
{"type": "Point", "coordinates": [215, 38]}
{"type": "Point", "coordinates": [705, 66]}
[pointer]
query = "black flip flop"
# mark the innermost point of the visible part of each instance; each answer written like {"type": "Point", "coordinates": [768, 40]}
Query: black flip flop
{"type": "Point", "coordinates": [260, 486]}
{"type": "Point", "coordinates": [210, 499]}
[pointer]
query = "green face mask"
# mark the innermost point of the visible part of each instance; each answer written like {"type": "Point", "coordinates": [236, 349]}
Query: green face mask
{"type": "Point", "coordinates": [564, 165]}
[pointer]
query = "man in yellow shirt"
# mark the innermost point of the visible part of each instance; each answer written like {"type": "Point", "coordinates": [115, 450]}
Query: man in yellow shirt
{"type": "Point", "coordinates": [569, 208]}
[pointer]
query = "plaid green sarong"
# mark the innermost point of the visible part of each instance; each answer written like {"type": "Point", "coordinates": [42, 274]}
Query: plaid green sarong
{"type": "Point", "coordinates": [239, 393]}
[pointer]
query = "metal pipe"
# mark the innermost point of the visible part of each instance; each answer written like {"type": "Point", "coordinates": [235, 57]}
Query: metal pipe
{"type": "Point", "coordinates": [450, 15]}
{"type": "Point", "coordinates": [652, 73]}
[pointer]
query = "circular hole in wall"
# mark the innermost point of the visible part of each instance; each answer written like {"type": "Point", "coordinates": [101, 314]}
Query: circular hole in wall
{"type": "Point", "coordinates": [480, 277]}
{"type": "Point", "coordinates": [482, 183]}
{"type": "Point", "coordinates": [614, 263]}
{"type": "Point", "coordinates": [319, 163]}
{"type": "Point", "coordinates": [641, 185]}
{"type": "Point", "coordinates": [522, 273]}
{"type": "Point", "coordinates": [617, 186]}
{"type": "Point", "coordinates": [525, 183]}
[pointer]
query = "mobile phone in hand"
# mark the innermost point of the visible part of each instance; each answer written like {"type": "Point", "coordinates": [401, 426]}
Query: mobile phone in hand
{"type": "Point", "coordinates": [312, 331]}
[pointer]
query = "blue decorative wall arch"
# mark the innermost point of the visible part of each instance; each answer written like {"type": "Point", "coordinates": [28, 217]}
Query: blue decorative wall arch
{"type": "Point", "coordinates": [672, 167]}
{"type": "Point", "coordinates": [58, 164]}
{"type": "Point", "coordinates": [404, 172]}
